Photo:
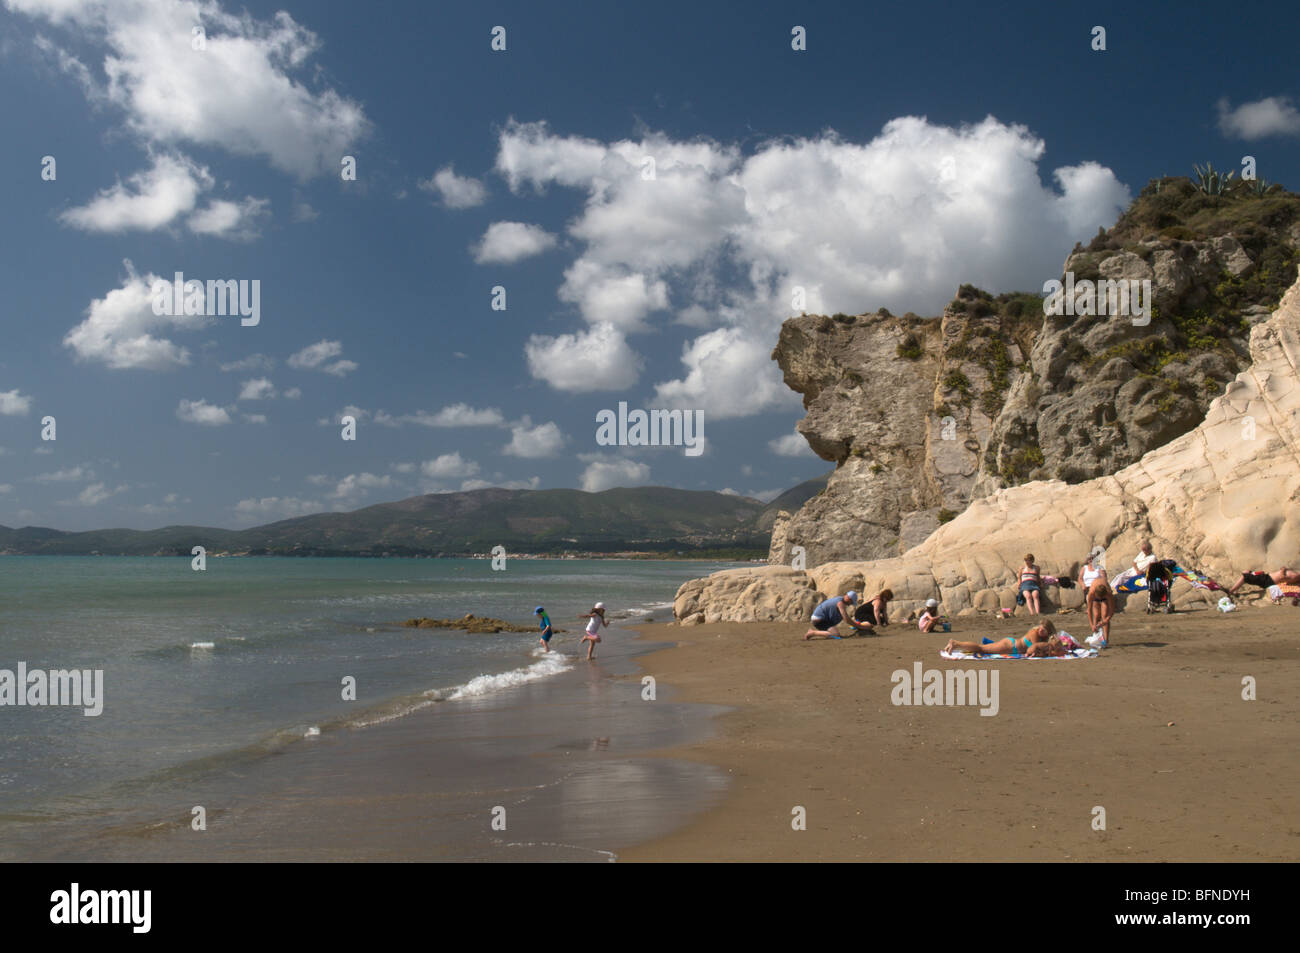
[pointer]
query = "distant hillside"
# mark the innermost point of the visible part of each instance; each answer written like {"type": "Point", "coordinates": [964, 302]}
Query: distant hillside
{"type": "Point", "coordinates": [791, 500]}
{"type": "Point", "coordinates": [653, 519]}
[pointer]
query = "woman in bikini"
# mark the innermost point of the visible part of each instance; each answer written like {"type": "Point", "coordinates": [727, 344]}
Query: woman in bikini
{"type": "Point", "coordinates": [1031, 583]}
{"type": "Point", "coordinates": [1100, 600]}
{"type": "Point", "coordinates": [1038, 641]}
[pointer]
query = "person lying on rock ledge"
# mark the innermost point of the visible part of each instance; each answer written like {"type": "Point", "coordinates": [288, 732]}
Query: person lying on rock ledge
{"type": "Point", "coordinates": [1283, 577]}
{"type": "Point", "coordinates": [827, 617]}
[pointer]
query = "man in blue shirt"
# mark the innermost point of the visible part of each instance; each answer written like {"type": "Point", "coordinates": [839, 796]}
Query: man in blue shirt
{"type": "Point", "coordinates": [545, 623]}
{"type": "Point", "coordinates": [827, 616]}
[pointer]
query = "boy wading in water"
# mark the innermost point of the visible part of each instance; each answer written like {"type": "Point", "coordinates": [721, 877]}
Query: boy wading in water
{"type": "Point", "coordinates": [545, 623]}
{"type": "Point", "coordinates": [595, 619]}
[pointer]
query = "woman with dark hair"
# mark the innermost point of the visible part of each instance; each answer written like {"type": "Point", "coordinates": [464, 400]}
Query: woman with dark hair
{"type": "Point", "coordinates": [875, 611]}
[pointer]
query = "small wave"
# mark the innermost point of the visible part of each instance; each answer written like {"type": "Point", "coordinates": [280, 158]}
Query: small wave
{"type": "Point", "coordinates": [609, 855]}
{"type": "Point", "coordinates": [312, 732]}
{"type": "Point", "coordinates": [553, 664]}
{"type": "Point", "coordinates": [203, 645]}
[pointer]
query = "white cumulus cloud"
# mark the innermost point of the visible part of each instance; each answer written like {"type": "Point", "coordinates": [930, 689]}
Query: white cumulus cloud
{"type": "Point", "coordinates": [596, 359]}
{"type": "Point", "coordinates": [148, 200]}
{"type": "Point", "coordinates": [252, 90]}
{"type": "Point", "coordinates": [201, 412]}
{"type": "Point", "coordinates": [791, 445]}
{"type": "Point", "coordinates": [122, 331]}
{"type": "Point", "coordinates": [897, 221]}
{"type": "Point", "coordinates": [259, 388]}
{"type": "Point", "coordinates": [603, 473]}
{"type": "Point", "coordinates": [454, 190]}
{"type": "Point", "coordinates": [14, 404]}
{"type": "Point", "coordinates": [544, 440]}
{"type": "Point", "coordinates": [1271, 116]}
{"type": "Point", "coordinates": [449, 465]}
{"type": "Point", "coordinates": [275, 507]}
{"type": "Point", "coordinates": [505, 243]}
{"type": "Point", "coordinates": [320, 357]}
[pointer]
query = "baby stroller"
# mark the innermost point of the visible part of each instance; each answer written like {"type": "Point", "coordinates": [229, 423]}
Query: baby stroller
{"type": "Point", "coordinates": [1160, 581]}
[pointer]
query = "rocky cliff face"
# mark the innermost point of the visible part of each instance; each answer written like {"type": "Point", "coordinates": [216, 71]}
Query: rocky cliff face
{"type": "Point", "coordinates": [1102, 391]}
{"type": "Point", "coordinates": [923, 416]}
{"type": "Point", "coordinates": [1223, 497]}
{"type": "Point", "coordinates": [904, 407]}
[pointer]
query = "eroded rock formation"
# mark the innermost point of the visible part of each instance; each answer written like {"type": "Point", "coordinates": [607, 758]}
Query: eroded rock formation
{"type": "Point", "coordinates": [1223, 497]}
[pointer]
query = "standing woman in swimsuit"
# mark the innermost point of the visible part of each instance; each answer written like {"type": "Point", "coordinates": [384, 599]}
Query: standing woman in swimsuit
{"type": "Point", "coordinates": [1031, 581]}
{"type": "Point", "coordinates": [1042, 633]}
{"type": "Point", "coordinates": [1087, 576]}
{"type": "Point", "coordinates": [1101, 608]}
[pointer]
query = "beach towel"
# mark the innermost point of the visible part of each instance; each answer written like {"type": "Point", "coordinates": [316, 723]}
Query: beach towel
{"type": "Point", "coordinates": [1131, 584]}
{"type": "Point", "coordinates": [1287, 591]}
{"type": "Point", "coordinates": [1131, 581]}
{"type": "Point", "coordinates": [963, 656]}
{"type": "Point", "coordinates": [1197, 579]}
{"type": "Point", "coordinates": [1065, 582]}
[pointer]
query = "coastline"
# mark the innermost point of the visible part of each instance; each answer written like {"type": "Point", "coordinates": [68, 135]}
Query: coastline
{"type": "Point", "coordinates": [812, 725]}
{"type": "Point", "coordinates": [564, 760]}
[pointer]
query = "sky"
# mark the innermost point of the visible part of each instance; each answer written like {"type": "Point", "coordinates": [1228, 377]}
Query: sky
{"type": "Point", "coordinates": [641, 190]}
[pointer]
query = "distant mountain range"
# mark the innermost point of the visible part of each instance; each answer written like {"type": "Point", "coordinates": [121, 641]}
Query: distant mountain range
{"type": "Point", "coordinates": [649, 519]}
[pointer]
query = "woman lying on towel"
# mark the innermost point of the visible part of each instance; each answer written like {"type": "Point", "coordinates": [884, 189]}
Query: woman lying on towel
{"type": "Point", "coordinates": [1038, 642]}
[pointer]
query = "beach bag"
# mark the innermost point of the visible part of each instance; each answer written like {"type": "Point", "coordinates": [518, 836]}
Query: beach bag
{"type": "Point", "coordinates": [1020, 598]}
{"type": "Point", "coordinates": [1226, 605]}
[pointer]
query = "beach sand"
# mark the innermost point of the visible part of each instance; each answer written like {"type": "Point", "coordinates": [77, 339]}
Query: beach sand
{"type": "Point", "coordinates": [813, 726]}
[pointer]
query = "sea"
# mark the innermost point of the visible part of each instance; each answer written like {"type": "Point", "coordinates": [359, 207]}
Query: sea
{"type": "Point", "coordinates": [271, 708]}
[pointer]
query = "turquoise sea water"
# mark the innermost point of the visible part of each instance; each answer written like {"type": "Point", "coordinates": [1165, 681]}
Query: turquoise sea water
{"type": "Point", "coordinates": [209, 671]}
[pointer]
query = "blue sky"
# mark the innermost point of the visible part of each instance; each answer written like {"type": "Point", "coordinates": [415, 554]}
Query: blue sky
{"type": "Point", "coordinates": [905, 151]}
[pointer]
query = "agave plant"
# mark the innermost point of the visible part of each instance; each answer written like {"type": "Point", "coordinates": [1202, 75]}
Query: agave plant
{"type": "Point", "coordinates": [1260, 187]}
{"type": "Point", "coordinates": [1210, 181]}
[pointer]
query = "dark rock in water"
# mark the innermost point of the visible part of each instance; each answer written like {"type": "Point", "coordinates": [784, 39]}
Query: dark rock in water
{"type": "Point", "coordinates": [471, 623]}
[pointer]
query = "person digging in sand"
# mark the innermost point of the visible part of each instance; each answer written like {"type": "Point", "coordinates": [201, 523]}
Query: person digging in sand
{"type": "Point", "coordinates": [827, 617]}
{"type": "Point", "coordinates": [875, 611]}
{"type": "Point", "coordinates": [930, 617]}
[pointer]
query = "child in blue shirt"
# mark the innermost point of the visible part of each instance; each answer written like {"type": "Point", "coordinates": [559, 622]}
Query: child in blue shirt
{"type": "Point", "coordinates": [545, 623]}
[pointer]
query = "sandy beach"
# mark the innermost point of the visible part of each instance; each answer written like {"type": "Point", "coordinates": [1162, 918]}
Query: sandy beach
{"type": "Point", "coordinates": [1155, 731]}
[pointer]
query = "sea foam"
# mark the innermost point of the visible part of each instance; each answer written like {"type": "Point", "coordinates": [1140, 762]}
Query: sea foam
{"type": "Point", "coordinates": [552, 664]}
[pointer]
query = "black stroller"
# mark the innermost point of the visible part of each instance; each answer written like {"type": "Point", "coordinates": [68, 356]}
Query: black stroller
{"type": "Point", "coordinates": [1160, 581]}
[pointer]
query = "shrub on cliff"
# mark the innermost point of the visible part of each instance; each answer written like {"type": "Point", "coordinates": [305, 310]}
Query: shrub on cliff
{"type": "Point", "coordinates": [910, 348]}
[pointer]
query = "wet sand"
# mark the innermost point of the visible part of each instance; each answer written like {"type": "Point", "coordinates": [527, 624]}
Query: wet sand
{"type": "Point", "coordinates": [557, 764]}
{"type": "Point", "coordinates": [1155, 731]}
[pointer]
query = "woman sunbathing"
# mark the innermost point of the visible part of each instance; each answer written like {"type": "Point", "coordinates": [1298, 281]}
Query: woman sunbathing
{"type": "Point", "coordinates": [1039, 641]}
